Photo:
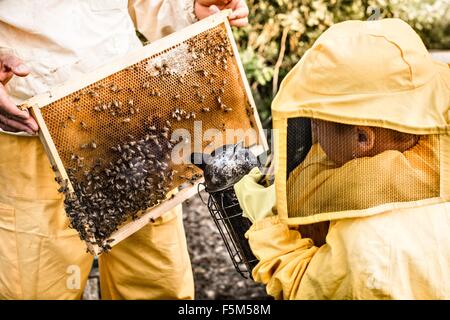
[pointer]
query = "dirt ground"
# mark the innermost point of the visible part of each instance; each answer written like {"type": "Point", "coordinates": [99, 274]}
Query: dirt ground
{"type": "Point", "coordinates": [214, 273]}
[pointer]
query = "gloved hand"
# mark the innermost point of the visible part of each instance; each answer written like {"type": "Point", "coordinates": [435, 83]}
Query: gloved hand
{"type": "Point", "coordinates": [257, 201]}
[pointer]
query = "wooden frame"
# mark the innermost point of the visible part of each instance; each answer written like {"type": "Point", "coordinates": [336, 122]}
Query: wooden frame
{"type": "Point", "coordinates": [56, 93]}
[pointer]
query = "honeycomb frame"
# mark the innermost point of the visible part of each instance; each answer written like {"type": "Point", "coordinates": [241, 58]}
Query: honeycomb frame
{"type": "Point", "coordinates": [45, 106]}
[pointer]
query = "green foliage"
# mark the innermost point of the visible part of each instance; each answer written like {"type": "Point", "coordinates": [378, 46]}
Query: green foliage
{"type": "Point", "coordinates": [302, 21]}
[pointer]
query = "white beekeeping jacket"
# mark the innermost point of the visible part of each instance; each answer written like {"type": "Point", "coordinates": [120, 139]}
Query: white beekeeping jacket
{"type": "Point", "coordinates": [60, 39]}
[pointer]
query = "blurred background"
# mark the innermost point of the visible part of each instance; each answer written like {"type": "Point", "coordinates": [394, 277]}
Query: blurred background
{"type": "Point", "coordinates": [279, 33]}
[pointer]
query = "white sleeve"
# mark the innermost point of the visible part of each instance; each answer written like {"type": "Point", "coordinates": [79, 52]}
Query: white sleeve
{"type": "Point", "coordinates": [158, 18]}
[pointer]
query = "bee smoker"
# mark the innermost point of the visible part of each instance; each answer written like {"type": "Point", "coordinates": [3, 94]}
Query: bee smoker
{"type": "Point", "coordinates": [223, 168]}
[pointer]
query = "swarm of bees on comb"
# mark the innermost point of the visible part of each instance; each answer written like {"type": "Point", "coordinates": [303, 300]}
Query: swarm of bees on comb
{"type": "Point", "coordinates": [114, 137]}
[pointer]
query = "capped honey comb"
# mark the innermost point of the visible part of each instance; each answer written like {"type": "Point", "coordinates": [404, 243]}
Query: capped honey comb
{"type": "Point", "coordinates": [110, 134]}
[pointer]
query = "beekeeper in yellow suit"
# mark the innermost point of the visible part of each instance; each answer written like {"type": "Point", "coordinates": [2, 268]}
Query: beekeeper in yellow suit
{"type": "Point", "coordinates": [377, 168]}
{"type": "Point", "coordinates": [43, 44]}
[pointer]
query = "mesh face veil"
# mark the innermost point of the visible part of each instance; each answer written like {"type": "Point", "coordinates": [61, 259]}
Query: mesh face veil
{"type": "Point", "coordinates": [362, 125]}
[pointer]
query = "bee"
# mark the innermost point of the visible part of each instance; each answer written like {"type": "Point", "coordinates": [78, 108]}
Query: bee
{"type": "Point", "coordinates": [93, 145]}
{"type": "Point", "coordinates": [155, 93]}
{"type": "Point", "coordinates": [114, 88]}
{"type": "Point", "coordinates": [83, 125]}
{"type": "Point", "coordinates": [146, 85]}
{"type": "Point", "coordinates": [168, 123]}
{"type": "Point", "coordinates": [203, 73]}
{"type": "Point", "coordinates": [205, 109]}
{"type": "Point", "coordinates": [181, 80]}
{"type": "Point", "coordinates": [158, 65]}
{"type": "Point", "coordinates": [130, 102]}
{"type": "Point", "coordinates": [177, 96]}
{"type": "Point", "coordinates": [93, 94]}
{"type": "Point", "coordinates": [228, 109]}
{"type": "Point", "coordinates": [71, 118]}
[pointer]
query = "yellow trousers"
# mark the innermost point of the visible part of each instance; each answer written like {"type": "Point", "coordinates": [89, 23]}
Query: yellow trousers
{"type": "Point", "coordinates": [42, 258]}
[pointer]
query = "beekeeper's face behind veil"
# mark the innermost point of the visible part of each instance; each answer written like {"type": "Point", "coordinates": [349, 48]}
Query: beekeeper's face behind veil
{"type": "Point", "coordinates": [342, 143]}
{"type": "Point", "coordinates": [363, 125]}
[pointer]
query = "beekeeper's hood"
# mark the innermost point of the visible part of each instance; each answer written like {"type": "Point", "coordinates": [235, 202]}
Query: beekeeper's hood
{"type": "Point", "coordinates": [362, 73]}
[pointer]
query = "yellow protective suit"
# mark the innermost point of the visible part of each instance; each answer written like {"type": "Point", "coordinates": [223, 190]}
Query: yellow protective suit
{"type": "Point", "coordinates": [348, 266]}
{"type": "Point", "coordinates": [389, 233]}
{"type": "Point", "coordinates": [40, 256]}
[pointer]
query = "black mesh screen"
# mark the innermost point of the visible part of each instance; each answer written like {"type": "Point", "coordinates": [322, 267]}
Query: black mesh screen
{"type": "Point", "coordinates": [299, 141]}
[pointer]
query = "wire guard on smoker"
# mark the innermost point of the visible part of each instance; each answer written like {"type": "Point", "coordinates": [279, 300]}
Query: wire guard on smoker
{"type": "Point", "coordinates": [227, 215]}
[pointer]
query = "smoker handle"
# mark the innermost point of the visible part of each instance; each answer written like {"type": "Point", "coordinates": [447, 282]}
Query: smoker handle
{"type": "Point", "coordinates": [198, 159]}
{"type": "Point", "coordinates": [268, 172]}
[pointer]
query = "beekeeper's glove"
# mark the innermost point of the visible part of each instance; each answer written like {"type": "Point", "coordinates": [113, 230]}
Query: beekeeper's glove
{"type": "Point", "coordinates": [257, 201]}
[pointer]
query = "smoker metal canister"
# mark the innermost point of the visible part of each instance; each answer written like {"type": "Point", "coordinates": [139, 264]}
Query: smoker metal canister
{"type": "Point", "coordinates": [222, 169]}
